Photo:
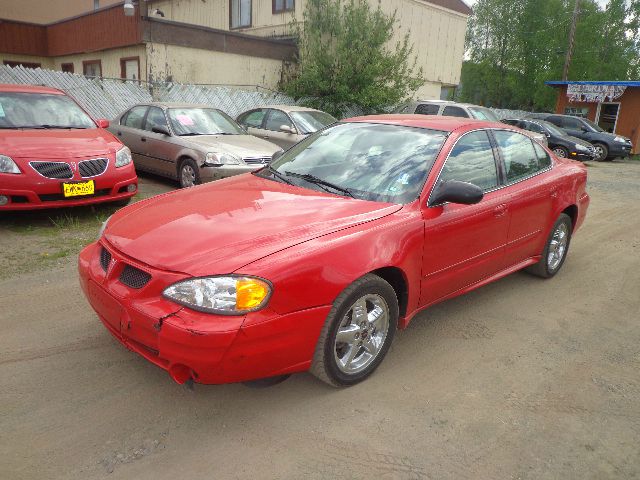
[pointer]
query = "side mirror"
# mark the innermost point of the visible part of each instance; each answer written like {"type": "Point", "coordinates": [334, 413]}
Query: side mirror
{"type": "Point", "coordinates": [286, 129]}
{"type": "Point", "coordinates": [161, 130]}
{"type": "Point", "coordinates": [102, 123]}
{"type": "Point", "coordinates": [454, 191]}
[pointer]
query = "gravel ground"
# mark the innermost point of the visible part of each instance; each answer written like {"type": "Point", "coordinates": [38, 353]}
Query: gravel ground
{"type": "Point", "coordinates": [522, 379]}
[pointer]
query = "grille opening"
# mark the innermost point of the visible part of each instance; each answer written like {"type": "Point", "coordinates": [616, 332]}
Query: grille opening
{"type": "Point", "coordinates": [105, 258]}
{"type": "Point", "coordinates": [256, 160]}
{"type": "Point", "coordinates": [19, 199]}
{"type": "Point", "coordinates": [52, 169]}
{"type": "Point", "coordinates": [134, 277]}
{"type": "Point", "coordinates": [92, 168]}
{"type": "Point", "coordinates": [55, 197]}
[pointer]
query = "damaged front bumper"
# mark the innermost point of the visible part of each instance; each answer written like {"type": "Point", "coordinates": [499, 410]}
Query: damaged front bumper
{"type": "Point", "coordinates": [203, 347]}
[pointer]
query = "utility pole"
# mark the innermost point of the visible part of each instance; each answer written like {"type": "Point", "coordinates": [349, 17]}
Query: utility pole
{"type": "Point", "coordinates": [572, 40]}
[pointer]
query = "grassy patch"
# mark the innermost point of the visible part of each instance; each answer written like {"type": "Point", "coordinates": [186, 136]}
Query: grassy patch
{"type": "Point", "coordinates": [635, 158]}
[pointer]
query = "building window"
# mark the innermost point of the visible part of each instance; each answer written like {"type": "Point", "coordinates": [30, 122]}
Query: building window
{"type": "Point", "coordinates": [67, 67]}
{"type": "Point", "coordinates": [96, 4]}
{"type": "Point", "coordinates": [130, 68]}
{"type": "Point", "coordinates": [92, 68]}
{"type": "Point", "coordinates": [10, 63]}
{"type": "Point", "coordinates": [280, 6]}
{"type": "Point", "coordinates": [240, 13]}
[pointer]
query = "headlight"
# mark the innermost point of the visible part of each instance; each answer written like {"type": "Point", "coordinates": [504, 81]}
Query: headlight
{"type": "Point", "coordinates": [218, 159]}
{"type": "Point", "coordinates": [104, 225]}
{"type": "Point", "coordinates": [123, 157]}
{"type": "Point", "coordinates": [228, 295]}
{"type": "Point", "coordinates": [7, 165]}
{"type": "Point", "coordinates": [620, 140]}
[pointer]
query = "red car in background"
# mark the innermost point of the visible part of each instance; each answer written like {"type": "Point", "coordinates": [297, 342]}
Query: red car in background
{"type": "Point", "coordinates": [313, 262]}
{"type": "Point", "coordinates": [52, 154]}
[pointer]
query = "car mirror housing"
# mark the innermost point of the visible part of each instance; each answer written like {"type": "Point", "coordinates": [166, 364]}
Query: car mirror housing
{"type": "Point", "coordinates": [453, 191]}
{"type": "Point", "coordinates": [161, 129]}
{"type": "Point", "coordinates": [102, 123]}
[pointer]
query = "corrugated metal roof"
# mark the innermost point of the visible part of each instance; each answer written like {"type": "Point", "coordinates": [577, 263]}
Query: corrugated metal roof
{"type": "Point", "coordinates": [622, 83]}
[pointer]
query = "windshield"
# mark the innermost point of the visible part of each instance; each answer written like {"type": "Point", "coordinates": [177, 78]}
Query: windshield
{"type": "Point", "coordinates": [41, 110]}
{"type": "Point", "coordinates": [552, 129]}
{"type": "Point", "coordinates": [481, 113]}
{"type": "Point", "coordinates": [384, 163]}
{"type": "Point", "coordinates": [202, 121]}
{"type": "Point", "coordinates": [310, 121]}
{"type": "Point", "coordinates": [595, 126]}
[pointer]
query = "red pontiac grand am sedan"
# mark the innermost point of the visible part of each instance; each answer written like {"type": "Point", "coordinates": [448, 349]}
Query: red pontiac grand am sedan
{"type": "Point", "coordinates": [313, 262]}
{"type": "Point", "coordinates": [52, 154]}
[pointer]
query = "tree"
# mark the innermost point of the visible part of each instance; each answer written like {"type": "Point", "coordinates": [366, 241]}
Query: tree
{"type": "Point", "coordinates": [344, 58]}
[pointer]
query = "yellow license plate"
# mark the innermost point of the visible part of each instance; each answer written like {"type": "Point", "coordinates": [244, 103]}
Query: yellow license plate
{"type": "Point", "coordinates": [78, 189]}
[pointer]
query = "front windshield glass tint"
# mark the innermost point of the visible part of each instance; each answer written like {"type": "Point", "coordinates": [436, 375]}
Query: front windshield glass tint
{"type": "Point", "coordinates": [41, 110]}
{"type": "Point", "coordinates": [481, 113]}
{"type": "Point", "coordinates": [595, 126]}
{"type": "Point", "coordinates": [385, 163]}
{"type": "Point", "coordinates": [310, 122]}
{"type": "Point", "coordinates": [202, 121]}
{"type": "Point", "coordinates": [552, 129]}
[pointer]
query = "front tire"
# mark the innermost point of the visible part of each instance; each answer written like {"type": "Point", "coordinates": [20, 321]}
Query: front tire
{"type": "Point", "coordinates": [561, 152]}
{"type": "Point", "coordinates": [357, 333]}
{"type": "Point", "coordinates": [189, 174]}
{"type": "Point", "coordinates": [555, 250]}
{"type": "Point", "coordinates": [602, 152]}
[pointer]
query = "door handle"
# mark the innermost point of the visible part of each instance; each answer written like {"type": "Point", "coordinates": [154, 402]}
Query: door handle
{"type": "Point", "coordinates": [500, 210]}
{"type": "Point", "coordinates": [119, 134]}
{"type": "Point", "coordinates": [143, 139]}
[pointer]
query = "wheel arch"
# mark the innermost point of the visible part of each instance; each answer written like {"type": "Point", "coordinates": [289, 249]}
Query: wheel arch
{"type": "Point", "coordinates": [572, 211]}
{"type": "Point", "coordinates": [395, 277]}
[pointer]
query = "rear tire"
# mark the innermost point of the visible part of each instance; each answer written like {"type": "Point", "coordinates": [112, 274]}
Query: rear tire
{"type": "Point", "coordinates": [555, 250]}
{"type": "Point", "coordinates": [188, 173]}
{"type": "Point", "coordinates": [602, 152]}
{"type": "Point", "coordinates": [357, 333]}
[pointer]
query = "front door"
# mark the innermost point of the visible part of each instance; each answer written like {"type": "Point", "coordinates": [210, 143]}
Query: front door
{"type": "Point", "coordinates": [276, 119]}
{"type": "Point", "coordinates": [464, 244]}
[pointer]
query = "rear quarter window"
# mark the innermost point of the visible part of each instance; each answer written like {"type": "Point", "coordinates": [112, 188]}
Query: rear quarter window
{"type": "Point", "coordinates": [427, 109]}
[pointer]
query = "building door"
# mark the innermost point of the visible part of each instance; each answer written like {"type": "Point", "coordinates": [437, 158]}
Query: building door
{"type": "Point", "coordinates": [607, 116]}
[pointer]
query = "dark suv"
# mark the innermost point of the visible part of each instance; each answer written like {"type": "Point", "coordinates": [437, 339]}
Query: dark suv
{"type": "Point", "coordinates": [562, 144]}
{"type": "Point", "coordinates": [608, 145]}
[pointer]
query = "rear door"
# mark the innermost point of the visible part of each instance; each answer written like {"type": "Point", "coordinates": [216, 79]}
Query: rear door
{"type": "Point", "coordinates": [532, 190]}
{"type": "Point", "coordinates": [465, 243]}
{"type": "Point", "coordinates": [130, 132]}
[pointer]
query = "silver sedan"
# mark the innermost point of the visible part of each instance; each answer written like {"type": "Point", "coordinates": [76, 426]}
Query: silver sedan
{"type": "Point", "coordinates": [190, 143]}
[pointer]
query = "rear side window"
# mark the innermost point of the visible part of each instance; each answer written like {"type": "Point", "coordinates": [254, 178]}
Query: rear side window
{"type": "Point", "coordinates": [427, 109]}
{"type": "Point", "coordinates": [544, 160]}
{"type": "Point", "coordinates": [519, 154]}
{"type": "Point", "coordinates": [455, 112]}
{"type": "Point", "coordinates": [252, 119]}
{"type": "Point", "coordinates": [472, 161]}
{"type": "Point", "coordinates": [134, 118]}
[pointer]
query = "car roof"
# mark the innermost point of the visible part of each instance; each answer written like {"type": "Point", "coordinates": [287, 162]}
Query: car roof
{"type": "Point", "coordinates": [450, 102]}
{"type": "Point", "coordinates": [432, 122]}
{"type": "Point", "coordinates": [177, 105]}
{"type": "Point", "coordinates": [290, 108]}
{"type": "Point", "coordinates": [4, 87]}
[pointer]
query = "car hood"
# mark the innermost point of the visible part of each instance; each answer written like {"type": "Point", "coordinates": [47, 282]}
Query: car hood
{"type": "Point", "coordinates": [578, 141]}
{"type": "Point", "coordinates": [50, 144]}
{"type": "Point", "coordinates": [239, 145]}
{"type": "Point", "coordinates": [222, 226]}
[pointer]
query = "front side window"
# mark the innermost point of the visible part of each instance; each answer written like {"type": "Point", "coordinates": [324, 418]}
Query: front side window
{"type": "Point", "coordinates": [471, 160]}
{"type": "Point", "coordinates": [519, 154]}
{"type": "Point", "coordinates": [134, 118]}
{"type": "Point", "coordinates": [571, 123]}
{"type": "Point", "coordinates": [41, 111]}
{"type": "Point", "coordinates": [279, 6]}
{"type": "Point", "coordinates": [427, 109]}
{"type": "Point", "coordinates": [276, 119]}
{"type": "Point", "coordinates": [202, 121]}
{"type": "Point", "coordinates": [240, 13]}
{"type": "Point", "coordinates": [155, 118]}
{"type": "Point", "coordinates": [311, 121]}
{"type": "Point", "coordinates": [534, 127]}
{"type": "Point", "coordinates": [454, 112]}
{"type": "Point", "coordinates": [383, 163]}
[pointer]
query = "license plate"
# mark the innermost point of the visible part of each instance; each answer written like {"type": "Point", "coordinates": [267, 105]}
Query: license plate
{"type": "Point", "coordinates": [78, 189]}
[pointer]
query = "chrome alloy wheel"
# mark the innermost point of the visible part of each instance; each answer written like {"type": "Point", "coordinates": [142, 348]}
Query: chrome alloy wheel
{"type": "Point", "coordinates": [361, 334]}
{"type": "Point", "coordinates": [558, 246]}
{"type": "Point", "coordinates": [188, 176]}
{"type": "Point", "coordinates": [599, 152]}
{"type": "Point", "coordinates": [560, 152]}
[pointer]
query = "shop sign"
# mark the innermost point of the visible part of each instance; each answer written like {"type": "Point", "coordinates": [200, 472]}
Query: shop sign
{"type": "Point", "coordinates": [594, 93]}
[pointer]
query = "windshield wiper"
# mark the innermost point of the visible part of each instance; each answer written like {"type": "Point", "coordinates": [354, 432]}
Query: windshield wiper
{"type": "Point", "coordinates": [277, 174]}
{"type": "Point", "coordinates": [191, 134]}
{"type": "Point", "coordinates": [318, 181]}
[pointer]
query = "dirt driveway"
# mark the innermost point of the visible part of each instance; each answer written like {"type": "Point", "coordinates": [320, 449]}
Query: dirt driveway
{"type": "Point", "coordinates": [523, 379]}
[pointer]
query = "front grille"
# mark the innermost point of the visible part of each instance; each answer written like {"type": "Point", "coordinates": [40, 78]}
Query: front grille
{"type": "Point", "coordinates": [56, 197]}
{"type": "Point", "coordinates": [105, 258]}
{"type": "Point", "coordinates": [256, 160]}
{"type": "Point", "coordinates": [134, 277]}
{"type": "Point", "coordinates": [52, 169]}
{"type": "Point", "coordinates": [92, 168]}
